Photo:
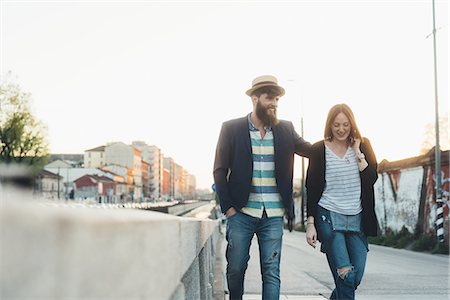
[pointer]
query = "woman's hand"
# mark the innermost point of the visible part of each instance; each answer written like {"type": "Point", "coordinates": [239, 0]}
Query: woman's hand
{"type": "Point", "coordinates": [356, 144]}
{"type": "Point", "coordinates": [311, 234]}
{"type": "Point", "coordinates": [362, 163]}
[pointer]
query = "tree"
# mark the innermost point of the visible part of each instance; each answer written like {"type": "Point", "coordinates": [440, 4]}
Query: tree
{"type": "Point", "coordinates": [22, 136]}
{"type": "Point", "coordinates": [430, 135]}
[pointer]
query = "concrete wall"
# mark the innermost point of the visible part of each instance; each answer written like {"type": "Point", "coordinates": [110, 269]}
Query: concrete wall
{"type": "Point", "coordinates": [87, 253]}
{"type": "Point", "coordinates": [399, 207]}
{"type": "Point", "coordinates": [406, 197]}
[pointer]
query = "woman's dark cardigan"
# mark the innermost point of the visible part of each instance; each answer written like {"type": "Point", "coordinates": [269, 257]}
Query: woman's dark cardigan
{"type": "Point", "coordinates": [315, 184]}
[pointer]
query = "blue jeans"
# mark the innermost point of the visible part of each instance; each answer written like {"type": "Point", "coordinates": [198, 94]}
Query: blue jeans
{"type": "Point", "coordinates": [240, 230]}
{"type": "Point", "coordinates": [343, 249]}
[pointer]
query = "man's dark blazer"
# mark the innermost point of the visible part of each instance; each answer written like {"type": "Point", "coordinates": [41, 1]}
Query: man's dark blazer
{"type": "Point", "coordinates": [233, 164]}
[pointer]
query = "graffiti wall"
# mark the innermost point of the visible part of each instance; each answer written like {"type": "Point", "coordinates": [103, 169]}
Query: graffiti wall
{"type": "Point", "coordinates": [397, 201]}
{"type": "Point", "coordinates": [430, 204]}
{"type": "Point", "coordinates": [405, 195]}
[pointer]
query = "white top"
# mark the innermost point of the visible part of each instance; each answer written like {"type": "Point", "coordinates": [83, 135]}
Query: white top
{"type": "Point", "coordinates": [342, 192]}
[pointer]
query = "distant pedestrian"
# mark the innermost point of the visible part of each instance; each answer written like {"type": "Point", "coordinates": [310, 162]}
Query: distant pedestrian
{"type": "Point", "coordinates": [253, 171]}
{"type": "Point", "coordinates": [340, 199]}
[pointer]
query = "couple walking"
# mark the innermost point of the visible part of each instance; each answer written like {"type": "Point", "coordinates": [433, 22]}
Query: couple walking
{"type": "Point", "coordinates": [253, 172]}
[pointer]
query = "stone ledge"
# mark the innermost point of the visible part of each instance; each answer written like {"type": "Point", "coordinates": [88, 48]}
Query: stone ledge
{"type": "Point", "coordinates": [57, 253]}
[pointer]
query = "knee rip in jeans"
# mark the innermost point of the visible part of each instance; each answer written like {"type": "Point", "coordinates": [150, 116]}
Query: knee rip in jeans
{"type": "Point", "coordinates": [343, 272]}
{"type": "Point", "coordinates": [274, 254]}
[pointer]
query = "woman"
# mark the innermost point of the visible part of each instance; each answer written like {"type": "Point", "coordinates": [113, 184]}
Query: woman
{"type": "Point", "coordinates": [341, 211]}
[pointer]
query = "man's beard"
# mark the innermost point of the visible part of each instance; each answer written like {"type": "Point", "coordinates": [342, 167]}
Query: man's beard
{"type": "Point", "coordinates": [265, 116]}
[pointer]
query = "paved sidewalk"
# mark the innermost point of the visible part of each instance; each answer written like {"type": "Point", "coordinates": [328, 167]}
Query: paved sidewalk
{"type": "Point", "coordinates": [286, 297]}
{"type": "Point", "coordinates": [220, 284]}
{"type": "Point", "coordinates": [391, 274]}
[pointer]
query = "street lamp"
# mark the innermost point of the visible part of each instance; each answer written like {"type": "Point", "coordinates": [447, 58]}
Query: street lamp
{"type": "Point", "coordinates": [437, 150]}
{"type": "Point", "coordinates": [302, 182]}
{"type": "Point", "coordinates": [59, 178]}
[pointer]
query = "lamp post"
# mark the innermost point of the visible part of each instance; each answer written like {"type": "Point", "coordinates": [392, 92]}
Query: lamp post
{"type": "Point", "coordinates": [59, 178]}
{"type": "Point", "coordinates": [303, 191]}
{"type": "Point", "coordinates": [437, 151]}
{"type": "Point", "coordinates": [302, 181]}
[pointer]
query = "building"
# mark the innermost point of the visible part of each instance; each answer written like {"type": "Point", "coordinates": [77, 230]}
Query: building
{"type": "Point", "coordinates": [123, 180]}
{"type": "Point", "coordinates": [169, 165]}
{"type": "Point", "coordinates": [59, 163]}
{"type": "Point", "coordinates": [179, 182]}
{"type": "Point", "coordinates": [154, 157]}
{"type": "Point", "coordinates": [49, 185]}
{"type": "Point", "coordinates": [165, 184]}
{"type": "Point", "coordinates": [95, 157]}
{"type": "Point", "coordinates": [120, 183]}
{"type": "Point", "coordinates": [69, 175]}
{"type": "Point", "coordinates": [145, 170]}
{"type": "Point", "coordinates": [75, 160]}
{"type": "Point", "coordinates": [192, 187]}
{"type": "Point", "coordinates": [93, 187]}
{"type": "Point", "coordinates": [119, 153]}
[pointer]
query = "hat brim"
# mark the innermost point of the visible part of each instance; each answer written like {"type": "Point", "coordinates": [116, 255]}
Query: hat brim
{"type": "Point", "coordinates": [258, 86]}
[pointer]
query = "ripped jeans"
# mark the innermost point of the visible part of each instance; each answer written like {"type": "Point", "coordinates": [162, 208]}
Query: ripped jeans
{"type": "Point", "coordinates": [240, 231]}
{"type": "Point", "coordinates": [346, 253]}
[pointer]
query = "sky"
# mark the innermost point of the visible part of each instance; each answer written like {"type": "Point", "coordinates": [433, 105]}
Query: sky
{"type": "Point", "coordinates": [170, 72]}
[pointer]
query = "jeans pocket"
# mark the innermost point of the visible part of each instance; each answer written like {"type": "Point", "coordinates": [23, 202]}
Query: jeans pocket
{"type": "Point", "coordinates": [233, 216]}
{"type": "Point", "coordinates": [231, 224]}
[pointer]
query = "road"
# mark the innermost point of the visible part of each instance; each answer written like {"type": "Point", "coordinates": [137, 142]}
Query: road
{"type": "Point", "coordinates": [391, 274]}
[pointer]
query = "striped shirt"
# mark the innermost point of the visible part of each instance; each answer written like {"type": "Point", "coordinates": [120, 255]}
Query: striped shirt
{"type": "Point", "coordinates": [342, 193]}
{"type": "Point", "coordinates": [264, 192]}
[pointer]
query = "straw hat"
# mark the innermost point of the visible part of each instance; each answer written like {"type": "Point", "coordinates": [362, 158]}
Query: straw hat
{"type": "Point", "coordinates": [262, 81]}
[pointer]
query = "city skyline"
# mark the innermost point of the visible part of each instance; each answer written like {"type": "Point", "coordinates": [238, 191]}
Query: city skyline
{"type": "Point", "coordinates": [169, 73]}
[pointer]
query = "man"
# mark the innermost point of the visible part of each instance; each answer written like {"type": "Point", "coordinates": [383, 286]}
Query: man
{"type": "Point", "coordinates": [253, 172]}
